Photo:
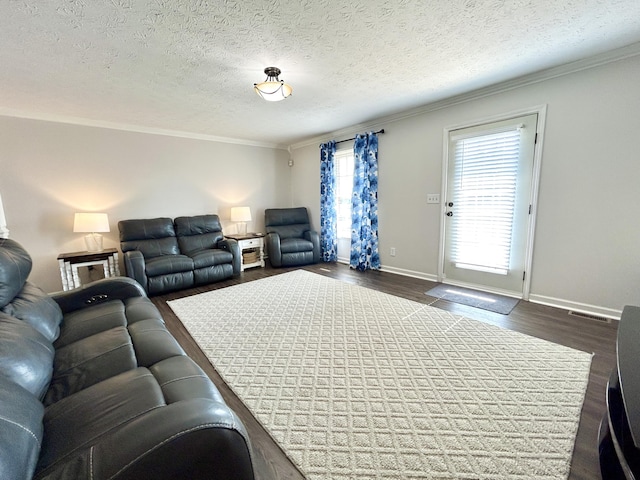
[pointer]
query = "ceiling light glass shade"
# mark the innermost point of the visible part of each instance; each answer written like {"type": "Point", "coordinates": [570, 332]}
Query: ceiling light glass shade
{"type": "Point", "coordinates": [273, 89]}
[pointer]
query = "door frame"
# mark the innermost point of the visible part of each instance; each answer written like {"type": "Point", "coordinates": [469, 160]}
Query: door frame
{"type": "Point", "coordinates": [541, 111]}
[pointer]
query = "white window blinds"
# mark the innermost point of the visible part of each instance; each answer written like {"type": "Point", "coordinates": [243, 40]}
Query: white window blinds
{"type": "Point", "coordinates": [485, 194]}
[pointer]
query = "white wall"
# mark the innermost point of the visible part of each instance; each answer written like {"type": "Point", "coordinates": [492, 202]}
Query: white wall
{"type": "Point", "coordinates": [586, 255]}
{"type": "Point", "coordinates": [49, 171]}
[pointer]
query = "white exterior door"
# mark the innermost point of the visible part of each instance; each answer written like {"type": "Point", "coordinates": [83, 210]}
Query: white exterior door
{"type": "Point", "coordinates": [488, 203]}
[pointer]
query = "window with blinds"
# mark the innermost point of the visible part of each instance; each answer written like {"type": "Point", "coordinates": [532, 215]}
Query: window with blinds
{"type": "Point", "coordinates": [486, 168]}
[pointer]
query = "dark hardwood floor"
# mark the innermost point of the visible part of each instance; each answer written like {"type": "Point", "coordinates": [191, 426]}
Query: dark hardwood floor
{"type": "Point", "coordinates": [540, 321]}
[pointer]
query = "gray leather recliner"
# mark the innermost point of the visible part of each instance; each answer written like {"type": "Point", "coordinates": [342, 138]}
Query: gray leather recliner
{"type": "Point", "coordinates": [290, 240]}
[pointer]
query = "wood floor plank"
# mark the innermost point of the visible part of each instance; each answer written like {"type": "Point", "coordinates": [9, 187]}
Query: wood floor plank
{"type": "Point", "coordinates": [547, 323]}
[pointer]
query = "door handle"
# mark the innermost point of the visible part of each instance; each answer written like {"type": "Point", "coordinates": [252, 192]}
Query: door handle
{"type": "Point", "coordinates": [449, 214]}
{"type": "Point", "coordinates": [450, 204]}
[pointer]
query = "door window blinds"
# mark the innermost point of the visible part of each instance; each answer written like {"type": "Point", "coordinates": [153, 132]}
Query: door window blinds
{"type": "Point", "coordinates": [486, 168]}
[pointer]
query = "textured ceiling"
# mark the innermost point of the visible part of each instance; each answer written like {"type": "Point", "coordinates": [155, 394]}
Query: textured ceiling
{"type": "Point", "coordinates": [189, 66]}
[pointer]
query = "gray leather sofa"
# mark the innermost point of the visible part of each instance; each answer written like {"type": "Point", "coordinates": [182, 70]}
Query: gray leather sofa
{"type": "Point", "coordinates": [290, 240]}
{"type": "Point", "coordinates": [93, 386]}
{"type": "Point", "coordinates": [164, 255]}
{"type": "Point", "coordinates": [619, 435]}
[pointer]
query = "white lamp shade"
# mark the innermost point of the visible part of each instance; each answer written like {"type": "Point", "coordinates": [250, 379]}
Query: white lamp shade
{"type": "Point", "coordinates": [91, 222]}
{"type": "Point", "coordinates": [240, 214]}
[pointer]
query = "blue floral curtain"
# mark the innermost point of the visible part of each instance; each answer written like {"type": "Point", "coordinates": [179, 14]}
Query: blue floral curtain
{"type": "Point", "coordinates": [364, 205]}
{"type": "Point", "coordinates": [328, 216]}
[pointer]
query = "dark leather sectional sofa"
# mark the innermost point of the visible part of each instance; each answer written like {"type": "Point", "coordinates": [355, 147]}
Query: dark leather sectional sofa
{"type": "Point", "coordinates": [619, 435]}
{"type": "Point", "coordinates": [164, 255]}
{"type": "Point", "coordinates": [93, 386]}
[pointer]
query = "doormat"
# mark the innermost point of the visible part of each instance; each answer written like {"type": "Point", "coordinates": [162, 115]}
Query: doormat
{"type": "Point", "coordinates": [474, 298]}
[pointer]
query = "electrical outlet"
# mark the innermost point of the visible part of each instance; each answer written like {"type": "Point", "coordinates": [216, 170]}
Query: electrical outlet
{"type": "Point", "coordinates": [392, 251]}
{"type": "Point", "coordinates": [433, 198]}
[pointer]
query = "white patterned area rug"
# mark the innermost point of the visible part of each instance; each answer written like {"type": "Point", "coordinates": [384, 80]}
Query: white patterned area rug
{"type": "Point", "coordinates": [357, 384]}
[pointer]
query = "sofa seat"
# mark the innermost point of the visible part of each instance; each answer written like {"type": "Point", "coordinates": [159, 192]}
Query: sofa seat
{"type": "Point", "coordinates": [211, 257]}
{"type": "Point", "coordinates": [295, 245]}
{"type": "Point", "coordinates": [94, 386]}
{"type": "Point", "coordinates": [169, 264]}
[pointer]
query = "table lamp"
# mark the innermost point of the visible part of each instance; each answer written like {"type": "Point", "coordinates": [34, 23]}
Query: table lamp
{"type": "Point", "coordinates": [241, 215]}
{"type": "Point", "coordinates": [91, 223]}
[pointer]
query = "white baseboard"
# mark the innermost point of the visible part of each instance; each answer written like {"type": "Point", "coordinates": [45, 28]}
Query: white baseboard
{"type": "Point", "coordinates": [533, 298]}
{"type": "Point", "coordinates": [400, 271]}
{"type": "Point", "coordinates": [410, 273]}
{"type": "Point", "coordinates": [576, 306]}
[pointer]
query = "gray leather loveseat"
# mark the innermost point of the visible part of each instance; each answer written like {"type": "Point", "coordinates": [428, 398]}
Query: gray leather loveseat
{"type": "Point", "coordinates": [93, 386]}
{"type": "Point", "coordinates": [164, 255]}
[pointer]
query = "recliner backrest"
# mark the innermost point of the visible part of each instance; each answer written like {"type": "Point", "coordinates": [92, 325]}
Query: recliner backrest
{"type": "Point", "coordinates": [287, 222]}
{"type": "Point", "coordinates": [153, 237]}
{"type": "Point", "coordinates": [198, 232]}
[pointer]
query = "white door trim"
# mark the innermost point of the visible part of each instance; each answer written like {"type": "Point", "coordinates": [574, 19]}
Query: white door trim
{"type": "Point", "coordinates": [541, 111]}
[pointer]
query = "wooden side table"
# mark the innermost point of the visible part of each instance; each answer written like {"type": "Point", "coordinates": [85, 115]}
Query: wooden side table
{"type": "Point", "coordinates": [70, 262]}
{"type": "Point", "coordinates": [251, 247]}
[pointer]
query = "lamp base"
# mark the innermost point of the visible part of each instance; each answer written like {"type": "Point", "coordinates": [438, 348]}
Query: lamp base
{"type": "Point", "coordinates": [93, 242]}
{"type": "Point", "coordinates": [241, 227]}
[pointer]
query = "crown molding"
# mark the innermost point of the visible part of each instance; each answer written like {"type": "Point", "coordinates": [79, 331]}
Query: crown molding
{"type": "Point", "coordinates": [84, 122]}
{"type": "Point", "coordinates": [611, 56]}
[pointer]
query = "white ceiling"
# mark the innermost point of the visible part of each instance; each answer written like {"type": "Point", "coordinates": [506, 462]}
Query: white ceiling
{"type": "Point", "coordinates": [189, 65]}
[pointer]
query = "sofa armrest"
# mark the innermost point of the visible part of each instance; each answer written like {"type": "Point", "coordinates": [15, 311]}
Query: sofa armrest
{"type": "Point", "coordinates": [197, 438]}
{"type": "Point", "coordinates": [112, 288]}
{"type": "Point", "coordinates": [231, 245]}
{"type": "Point", "coordinates": [272, 241]}
{"type": "Point", "coordinates": [314, 238]}
{"type": "Point", "coordinates": [134, 267]}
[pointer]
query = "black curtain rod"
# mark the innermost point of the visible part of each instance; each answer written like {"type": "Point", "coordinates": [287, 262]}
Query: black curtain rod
{"type": "Point", "coordinates": [349, 139]}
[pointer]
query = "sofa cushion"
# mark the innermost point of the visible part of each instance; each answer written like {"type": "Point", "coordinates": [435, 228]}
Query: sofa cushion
{"type": "Point", "coordinates": [20, 430]}
{"type": "Point", "coordinates": [211, 257]}
{"type": "Point", "coordinates": [291, 231]}
{"type": "Point", "coordinates": [152, 237]}
{"type": "Point", "coordinates": [26, 357]}
{"type": "Point", "coordinates": [89, 361]}
{"type": "Point", "coordinates": [168, 264]}
{"type": "Point", "coordinates": [181, 379]}
{"type": "Point", "coordinates": [198, 233]}
{"type": "Point", "coordinates": [170, 282]}
{"type": "Point", "coordinates": [215, 273]}
{"type": "Point", "coordinates": [153, 342]}
{"type": "Point", "coordinates": [36, 308]}
{"type": "Point", "coordinates": [287, 222]}
{"type": "Point", "coordinates": [86, 322]}
{"type": "Point", "coordinates": [146, 229]}
{"type": "Point", "coordinates": [15, 266]}
{"type": "Point", "coordinates": [140, 308]}
{"type": "Point", "coordinates": [119, 399]}
{"type": "Point", "coordinates": [295, 245]}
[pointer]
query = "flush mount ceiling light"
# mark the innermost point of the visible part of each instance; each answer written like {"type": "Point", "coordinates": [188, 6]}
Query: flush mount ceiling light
{"type": "Point", "coordinates": [273, 89]}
